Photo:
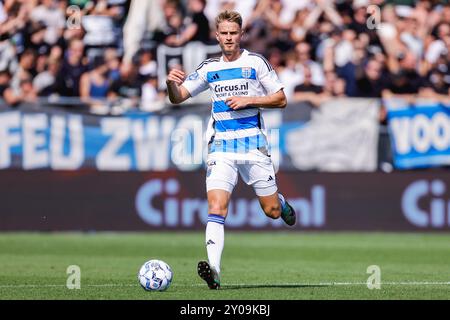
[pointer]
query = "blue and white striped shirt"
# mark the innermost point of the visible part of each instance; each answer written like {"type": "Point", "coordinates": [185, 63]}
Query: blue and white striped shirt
{"type": "Point", "coordinates": [235, 134]}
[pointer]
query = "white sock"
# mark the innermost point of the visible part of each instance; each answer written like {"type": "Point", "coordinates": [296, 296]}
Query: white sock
{"type": "Point", "coordinates": [215, 235]}
{"type": "Point", "coordinates": [282, 201]}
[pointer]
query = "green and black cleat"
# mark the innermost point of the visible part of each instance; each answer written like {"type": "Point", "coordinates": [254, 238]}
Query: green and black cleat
{"type": "Point", "coordinates": [288, 215]}
{"type": "Point", "coordinates": [209, 274]}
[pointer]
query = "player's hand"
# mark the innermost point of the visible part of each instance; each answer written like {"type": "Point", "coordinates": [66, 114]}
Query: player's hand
{"type": "Point", "coordinates": [236, 103]}
{"type": "Point", "coordinates": [176, 76]}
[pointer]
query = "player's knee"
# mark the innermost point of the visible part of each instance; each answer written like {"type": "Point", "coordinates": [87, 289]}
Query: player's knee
{"type": "Point", "coordinates": [217, 207]}
{"type": "Point", "coordinates": [272, 211]}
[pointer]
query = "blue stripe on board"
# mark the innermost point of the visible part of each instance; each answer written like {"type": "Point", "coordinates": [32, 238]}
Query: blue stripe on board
{"type": "Point", "coordinates": [231, 74]}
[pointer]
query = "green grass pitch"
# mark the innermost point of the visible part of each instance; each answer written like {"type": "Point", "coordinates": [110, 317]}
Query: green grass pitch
{"type": "Point", "coordinates": [276, 265]}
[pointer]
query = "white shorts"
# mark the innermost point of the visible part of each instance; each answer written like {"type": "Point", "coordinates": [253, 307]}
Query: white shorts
{"type": "Point", "coordinates": [223, 174]}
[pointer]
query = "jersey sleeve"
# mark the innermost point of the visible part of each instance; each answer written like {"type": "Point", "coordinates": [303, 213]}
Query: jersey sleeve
{"type": "Point", "coordinates": [195, 82]}
{"type": "Point", "coordinates": [268, 77]}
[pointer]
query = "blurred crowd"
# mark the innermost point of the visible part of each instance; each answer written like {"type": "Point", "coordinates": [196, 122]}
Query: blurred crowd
{"type": "Point", "coordinates": [106, 49]}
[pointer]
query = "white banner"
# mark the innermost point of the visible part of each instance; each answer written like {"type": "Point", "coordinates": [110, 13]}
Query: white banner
{"type": "Point", "coordinates": [341, 136]}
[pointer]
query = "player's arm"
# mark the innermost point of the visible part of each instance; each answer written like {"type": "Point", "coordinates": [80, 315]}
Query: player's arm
{"type": "Point", "coordinates": [275, 100]}
{"type": "Point", "coordinates": [177, 93]}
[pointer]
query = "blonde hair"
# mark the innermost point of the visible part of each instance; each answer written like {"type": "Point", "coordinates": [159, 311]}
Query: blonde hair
{"type": "Point", "coordinates": [231, 16]}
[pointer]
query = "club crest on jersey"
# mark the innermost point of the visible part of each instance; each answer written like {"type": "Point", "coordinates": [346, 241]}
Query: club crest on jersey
{"type": "Point", "coordinates": [246, 72]}
{"type": "Point", "coordinates": [193, 76]}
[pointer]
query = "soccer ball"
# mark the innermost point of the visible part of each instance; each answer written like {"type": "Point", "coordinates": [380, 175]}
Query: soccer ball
{"type": "Point", "coordinates": [155, 275]}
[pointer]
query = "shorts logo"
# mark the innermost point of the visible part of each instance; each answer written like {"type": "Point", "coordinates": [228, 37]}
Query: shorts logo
{"type": "Point", "coordinates": [246, 72]}
{"type": "Point", "coordinates": [209, 169]}
{"type": "Point", "coordinates": [193, 76]}
{"type": "Point", "coordinates": [270, 178]}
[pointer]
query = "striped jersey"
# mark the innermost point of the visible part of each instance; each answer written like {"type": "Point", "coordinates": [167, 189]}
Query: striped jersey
{"type": "Point", "coordinates": [235, 134]}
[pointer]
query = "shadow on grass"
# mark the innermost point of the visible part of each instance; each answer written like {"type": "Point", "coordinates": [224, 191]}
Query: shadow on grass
{"type": "Point", "coordinates": [285, 286]}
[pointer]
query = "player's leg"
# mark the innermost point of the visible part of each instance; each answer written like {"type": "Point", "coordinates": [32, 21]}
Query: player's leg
{"type": "Point", "coordinates": [261, 175]}
{"type": "Point", "coordinates": [275, 206]}
{"type": "Point", "coordinates": [220, 182]}
{"type": "Point", "coordinates": [214, 237]}
{"type": "Point", "coordinates": [215, 230]}
{"type": "Point", "coordinates": [270, 205]}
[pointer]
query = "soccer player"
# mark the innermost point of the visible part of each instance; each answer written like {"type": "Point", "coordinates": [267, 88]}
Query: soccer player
{"type": "Point", "coordinates": [241, 82]}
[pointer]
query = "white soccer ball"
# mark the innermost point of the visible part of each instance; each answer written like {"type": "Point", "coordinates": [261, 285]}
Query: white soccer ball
{"type": "Point", "coordinates": [155, 275]}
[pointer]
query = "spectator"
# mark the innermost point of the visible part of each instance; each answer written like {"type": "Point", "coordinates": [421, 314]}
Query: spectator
{"type": "Point", "coordinates": [437, 47]}
{"type": "Point", "coordinates": [438, 80]}
{"type": "Point", "coordinates": [147, 63]}
{"type": "Point", "coordinates": [95, 83]}
{"type": "Point", "coordinates": [370, 81]}
{"type": "Point", "coordinates": [73, 66]}
{"type": "Point", "coordinates": [25, 70]}
{"type": "Point", "coordinates": [128, 87]}
{"type": "Point", "coordinates": [5, 78]}
{"type": "Point", "coordinates": [307, 85]}
{"type": "Point", "coordinates": [52, 16]}
{"type": "Point", "coordinates": [115, 9]}
{"type": "Point", "coordinates": [13, 27]}
{"type": "Point", "coordinates": [258, 30]}
{"type": "Point", "coordinates": [288, 74]}
{"type": "Point", "coordinates": [35, 38]}
{"type": "Point", "coordinates": [359, 22]}
{"type": "Point", "coordinates": [152, 99]}
{"type": "Point", "coordinates": [195, 27]}
{"type": "Point", "coordinates": [99, 32]}
{"type": "Point", "coordinates": [334, 86]}
{"type": "Point", "coordinates": [302, 23]}
{"type": "Point", "coordinates": [280, 34]}
{"type": "Point", "coordinates": [24, 93]}
{"type": "Point", "coordinates": [303, 50]}
{"type": "Point", "coordinates": [198, 24]}
{"type": "Point", "coordinates": [112, 59]}
{"type": "Point", "coordinates": [290, 8]}
{"type": "Point", "coordinates": [172, 34]}
{"type": "Point", "coordinates": [45, 82]}
{"type": "Point", "coordinates": [410, 28]}
{"type": "Point", "coordinates": [403, 77]}
{"type": "Point", "coordinates": [8, 59]}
